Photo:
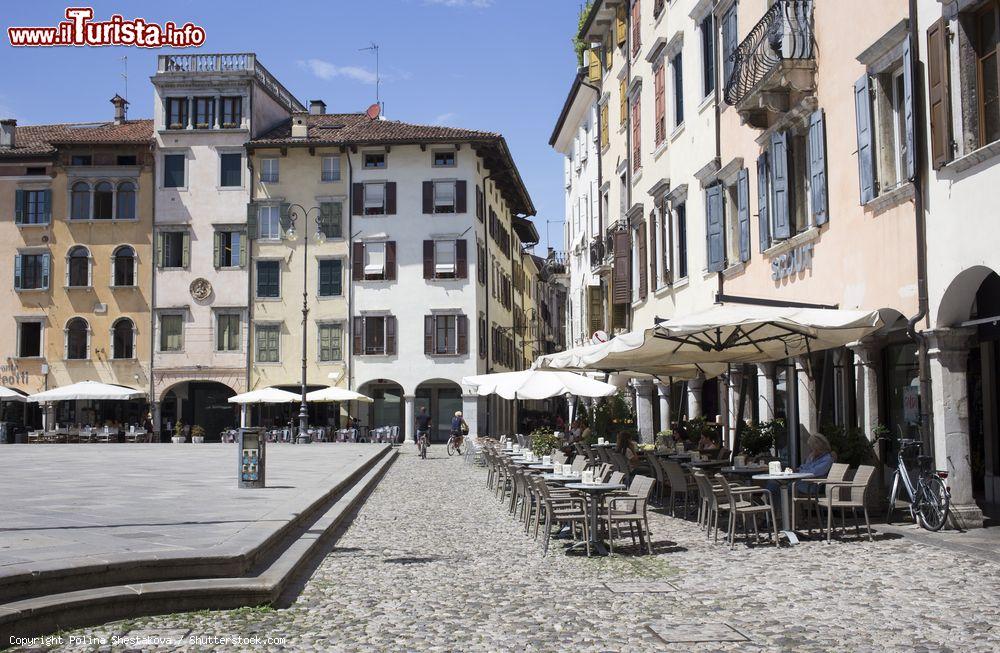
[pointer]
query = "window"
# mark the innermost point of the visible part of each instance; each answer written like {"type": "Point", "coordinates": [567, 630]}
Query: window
{"type": "Point", "coordinates": [124, 266]}
{"type": "Point", "coordinates": [174, 249]}
{"type": "Point", "coordinates": [375, 335]}
{"type": "Point", "coordinates": [80, 201]}
{"type": "Point", "coordinates": [125, 203]}
{"type": "Point", "coordinates": [605, 137]}
{"type": "Point", "coordinates": [444, 159]}
{"type": "Point", "coordinates": [660, 105]}
{"type": "Point", "coordinates": [444, 197]}
{"type": "Point", "coordinates": [680, 217]}
{"type": "Point", "coordinates": [330, 170]}
{"type": "Point", "coordinates": [331, 277]}
{"type": "Point", "coordinates": [227, 331]}
{"type": "Point", "coordinates": [229, 246]}
{"type": "Point", "coordinates": [29, 339]}
{"type": "Point", "coordinates": [444, 258]}
{"type": "Point", "coordinates": [268, 340]}
{"type": "Point", "coordinates": [636, 28]}
{"type": "Point", "coordinates": [269, 222]}
{"type": "Point", "coordinates": [231, 166]}
{"type": "Point", "coordinates": [482, 330]}
{"type": "Point", "coordinates": [374, 160]}
{"type": "Point", "coordinates": [104, 199]}
{"type": "Point", "coordinates": [177, 113]}
{"type": "Point", "coordinates": [204, 112]}
{"type": "Point", "coordinates": [729, 43]}
{"type": "Point", "coordinates": [173, 171]}
{"type": "Point", "coordinates": [127, 160]}
{"type": "Point", "coordinates": [32, 206]}
{"type": "Point", "coordinates": [78, 267]}
{"type": "Point", "coordinates": [77, 339]}
{"type": "Point", "coordinates": [171, 332]}
{"type": "Point", "coordinates": [232, 112]}
{"type": "Point", "coordinates": [268, 279]}
{"type": "Point", "coordinates": [123, 339]}
{"type": "Point", "coordinates": [331, 219]}
{"type": "Point", "coordinates": [269, 171]}
{"type": "Point", "coordinates": [445, 334]}
{"type": "Point", "coordinates": [986, 40]}
{"type": "Point", "coordinates": [31, 271]}
{"type": "Point", "coordinates": [81, 160]}
{"type": "Point", "coordinates": [636, 132]}
{"type": "Point", "coordinates": [677, 66]}
{"type": "Point", "coordinates": [374, 198]}
{"type": "Point", "coordinates": [707, 56]}
{"type": "Point", "coordinates": [331, 343]}
{"type": "Point", "coordinates": [374, 260]}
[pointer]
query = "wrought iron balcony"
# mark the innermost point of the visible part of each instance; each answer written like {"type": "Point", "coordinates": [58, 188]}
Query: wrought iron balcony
{"type": "Point", "coordinates": [596, 253]}
{"type": "Point", "coordinates": [775, 59]}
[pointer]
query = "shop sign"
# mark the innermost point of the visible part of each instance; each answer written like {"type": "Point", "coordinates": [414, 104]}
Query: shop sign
{"type": "Point", "coordinates": [11, 374]}
{"type": "Point", "coordinates": [911, 404]}
{"type": "Point", "coordinates": [792, 262]}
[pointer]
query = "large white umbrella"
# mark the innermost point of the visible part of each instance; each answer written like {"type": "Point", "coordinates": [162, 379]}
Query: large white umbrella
{"type": "Point", "coordinates": [337, 394]}
{"type": "Point", "coordinates": [8, 394]}
{"type": "Point", "coordinates": [538, 384]}
{"type": "Point", "coordinates": [85, 390]}
{"type": "Point", "coordinates": [266, 396]}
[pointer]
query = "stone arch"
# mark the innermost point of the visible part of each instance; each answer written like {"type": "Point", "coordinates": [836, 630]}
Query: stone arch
{"type": "Point", "coordinates": [956, 303]}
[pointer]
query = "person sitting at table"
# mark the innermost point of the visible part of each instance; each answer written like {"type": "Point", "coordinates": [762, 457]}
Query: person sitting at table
{"type": "Point", "coordinates": [818, 463]}
{"type": "Point", "coordinates": [625, 444]}
{"type": "Point", "coordinates": [707, 444]}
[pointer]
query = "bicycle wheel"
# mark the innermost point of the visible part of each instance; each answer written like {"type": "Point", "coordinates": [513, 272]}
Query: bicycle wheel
{"type": "Point", "coordinates": [934, 501]}
{"type": "Point", "coordinates": [451, 447]}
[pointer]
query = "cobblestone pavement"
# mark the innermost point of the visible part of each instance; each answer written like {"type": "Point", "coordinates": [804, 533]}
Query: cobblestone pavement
{"type": "Point", "coordinates": [432, 563]}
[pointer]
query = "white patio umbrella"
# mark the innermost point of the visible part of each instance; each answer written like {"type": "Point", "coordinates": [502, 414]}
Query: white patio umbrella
{"type": "Point", "coordinates": [265, 396]}
{"type": "Point", "coordinates": [91, 390]}
{"type": "Point", "coordinates": [538, 384]}
{"type": "Point", "coordinates": [337, 394]}
{"type": "Point", "coordinates": [8, 394]}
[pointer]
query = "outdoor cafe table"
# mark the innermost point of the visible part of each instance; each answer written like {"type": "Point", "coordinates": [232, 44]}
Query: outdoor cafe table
{"type": "Point", "coordinates": [597, 492]}
{"type": "Point", "coordinates": [746, 470]}
{"type": "Point", "coordinates": [542, 467]}
{"type": "Point", "coordinates": [784, 482]}
{"type": "Point", "coordinates": [560, 478]}
{"type": "Point", "coordinates": [700, 464]}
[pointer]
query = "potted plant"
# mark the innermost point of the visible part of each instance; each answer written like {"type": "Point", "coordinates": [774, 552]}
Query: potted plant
{"type": "Point", "coordinates": [664, 440]}
{"type": "Point", "coordinates": [544, 441]}
{"type": "Point", "coordinates": [758, 440]}
{"type": "Point", "coordinates": [197, 434]}
{"type": "Point", "coordinates": [178, 436]}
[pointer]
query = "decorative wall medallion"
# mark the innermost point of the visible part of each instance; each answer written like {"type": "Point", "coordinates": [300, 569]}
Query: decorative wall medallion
{"type": "Point", "coordinates": [201, 289]}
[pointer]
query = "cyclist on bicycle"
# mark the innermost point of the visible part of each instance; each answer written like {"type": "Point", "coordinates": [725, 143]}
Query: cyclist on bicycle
{"type": "Point", "coordinates": [423, 425]}
{"type": "Point", "coordinates": [458, 429]}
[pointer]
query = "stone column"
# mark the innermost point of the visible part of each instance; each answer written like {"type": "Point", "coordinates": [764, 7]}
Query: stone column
{"type": "Point", "coordinates": [409, 426]}
{"type": "Point", "coordinates": [663, 392]}
{"type": "Point", "coordinates": [947, 354]}
{"type": "Point", "coordinates": [470, 412]}
{"type": "Point", "coordinates": [217, 118]}
{"type": "Point", "coordinates": [694, 396]}
{"type": "Point", "coordinates": [644, 408]}
{"type": "Point", "coordinates": [190, 116]}
{"type": "Point", "coordinates": [808, 406]}
{"type": "Point", "coordinates": [732, 414]}
{"type": "Point", "coordinates": [765, 389]}
{"type": "Point", "coordinates": [154, 408]}
{"type": "Point", "coordinates": [571, 404]}
{"type": "Point", "coordinates": [866, 376]}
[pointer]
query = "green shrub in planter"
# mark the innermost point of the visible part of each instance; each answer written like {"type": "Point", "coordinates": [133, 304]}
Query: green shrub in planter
{"type": "Point", "coordinates": [543, 441]}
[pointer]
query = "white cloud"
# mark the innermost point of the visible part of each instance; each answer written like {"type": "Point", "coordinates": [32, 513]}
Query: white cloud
{"type": "Point", "coordinates": [327, 71]}
{"type": "Point", "coordinates": [445, 118]}
{"type": "Point", "coordinates": [479, 4]}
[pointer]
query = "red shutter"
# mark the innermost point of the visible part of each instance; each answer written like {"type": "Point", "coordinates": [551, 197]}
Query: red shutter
{"type": "Point", "coordinates": [621, 291]}
{"type": "Point", "coordinates": [640, 237]}
{"type": "Point", "coordinates": [358, 199]}
{"type": "Point", "coordinates": [480, 202]}
{"type": "Point", "coordinates": [359, 336]}
{"type": "Point", "coordinates": [461, 203]}
{"type": "Point", "coordinates": [428, 259]}
{"type": "Point", "coordinates": [390, 260]}
{"type": "Point", "coordinates": [359, 261]}
{"type": "Point", "coordinates": [462, 328]}
{"type": "Point", "coordinates": [429, 335]}
{"type": "Point", "coordinates": [390, 335]}
{"type": "Point", "coordinates": [461, 259]}
{"type": "Point", "coordinates": [938, 93]}
{"type": "Point", "coordinates": [428, 197]}
{"type": "Point", "coordinates": [390, 198]}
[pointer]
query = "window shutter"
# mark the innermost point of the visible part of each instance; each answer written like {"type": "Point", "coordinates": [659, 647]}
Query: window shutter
{"type": "Point", "coordinates": [743, 212]}
{"type": "Point", "coordinates": [594, 66]}
{"type": "Point", "coordinates": [285, 218]}
{"type": "Point", "coordinates": [251, 219]}
{"type": "Point", "coordinates": [46, 267]}
{"type": "Point", "coordinates": [18, 206]}
{"type": "Point", "coordinates": [217, 251]}
{"type": "Point", "coordinates": [939, 94]}
{"type": "Point", "coordinates": [623, 102]}
{"type": "Point", "coordinates": [462, 329]}
{"type": "Point", "coordinates": [359, 261]}
{"type": "Point", "coordinates": [763, 214]}
{"type": "Point", "coordinates": [909, 163]}
{"type": "Point", "coordinates": [390, 198]}
{"type": "Point", "coordinates": [620, 269]}
{"type": "Point", "coordinates": [713, 229]}
{"type": "Point", "coordinates": [17, 271]}
{"type": "Point", "coordinates": [337, 276]}
{"type": "Point", "coordinates": [47, 211]}
{"type": "Point", "coordinates": [429, 335]}
{"type": "Point", "coordinates": [390, 335]}
{"type": "Point", "coordinates": [640, 236]}
{"type": "Point", "coordinates": [621, 33]}
{"type": "Point", "coordinates": [780, 189]}
{"type": "Point", "coordinates": [428, 259]}
{"type": "Point", "coordinates": [159, 249]}
{"type": "Point", "coordinates": [479, 203]}
{"type": "Point", "coordinates": [866, 151]}
{"type": "Point", "coordinates": [243, 250]}
{"type": "Point", "coordinates": [390, 260]}
{"type": "Point", "coordinates": [358, 199]}
{"type": "Point", "coordinates": [461, 201]}
{"type": "Point", "coordinates": [461, 259]}
{"type": "Point", "coordinates": [428, 197]}
{"type": "Point", "coordinates": [652, 251]}
{"type": "Point", "coordinates": [359, 336]}
{"type": "Point", "coordinates": [817, 167]}
{"type": "Point", "coordinates": [186, 249]}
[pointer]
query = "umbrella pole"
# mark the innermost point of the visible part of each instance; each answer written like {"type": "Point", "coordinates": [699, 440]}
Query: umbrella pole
{"type": "Point", "coordinates": [739, 415]}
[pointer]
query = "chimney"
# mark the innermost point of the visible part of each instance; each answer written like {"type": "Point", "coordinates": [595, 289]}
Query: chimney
{"type": "Point", "coordinates": [317, 107]}
{"type": "Point", "coordinates": [8, 126]}
{"type": "Point", "coordinates": [120, 105]}
{"type": "Point", "coordinates": [300, 127]}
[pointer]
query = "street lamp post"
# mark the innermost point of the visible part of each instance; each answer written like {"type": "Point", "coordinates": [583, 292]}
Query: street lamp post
{"type": "Point", "coordinates": [295, 211]}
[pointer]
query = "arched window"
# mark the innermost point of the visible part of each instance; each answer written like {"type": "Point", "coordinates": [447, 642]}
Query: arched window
{"type": "Point", "coordinates": [104, 197]}
{"type": "Point", "coordinates": [80, 209]}
{"type": "Point", "coordinates": [123, 339]}
{"type": "Point", "coordinates": [125, 206]}
{"type": "Point", "coordinates": [77, 339]}
{"type": "Point", "coordinates": [124, 264]}
{"type": "Point", "coordinates": [78, 267]}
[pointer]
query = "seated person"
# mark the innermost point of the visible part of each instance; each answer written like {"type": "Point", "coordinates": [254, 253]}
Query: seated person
{"type": "Point", "coordinates": [626, 445]}
{"type": "Point", "coordinates": [817, 462]}
{"type": "Point", "coordinates": [707, 444]}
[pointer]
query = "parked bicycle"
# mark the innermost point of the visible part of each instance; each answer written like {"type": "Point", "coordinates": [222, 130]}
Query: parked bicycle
{"type": "Point", "coordinates": [455, 443]}
{"type": "Point", "coordinates": [928, 497]}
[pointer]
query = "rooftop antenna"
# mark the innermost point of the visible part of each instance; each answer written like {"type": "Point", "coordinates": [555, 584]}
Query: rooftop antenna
{"type": "Point", "coordinates": [378, 78]}
{"type": "Point", "coordinates": [125, 75]}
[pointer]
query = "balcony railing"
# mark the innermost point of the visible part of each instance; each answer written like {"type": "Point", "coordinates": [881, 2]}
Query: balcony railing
{"type": "Point", "coordinates": [784, 33]}
{"type": "Point", "coordinates": [596, 252]}
{"type": "Point", "coordinates": [244, 62]}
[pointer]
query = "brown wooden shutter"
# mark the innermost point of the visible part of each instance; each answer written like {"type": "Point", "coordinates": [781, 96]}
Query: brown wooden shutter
{"type": "Point", "coordinates": [480, 203]}
{"type": "Point", "coordinates": [428, 197]}
{"type": "Point", "coordinates": [428, 259]}
{"type": "Point", "coordinates": [390, 260]}
{"type": "Point", "coordinates": [652, 251]}
{"type": "Point", "coordinates": [390, 198]}
{"type": "Point", "coordinates": [359, 261]}
{"type": "Point", "coordinates": [358, 199]}
{"type": "Point", "coordinates": [359, 336]}
{"type": "Point", "coordinates": [461, 259]}
{"type": "Point", "coordinates": [462, 328]}
{"type": "Point", "coordinates": [620, 269]}
{"type": "Point", "coordinates": [640, 237]}
{"type": "Point", "coordinates": [429, 335]}
{"type": "Point", "coordinates": [390, 335]}
{"type": "Point", "coordinates": [461, 202]}
{"type": "Point", "coordinates": [938, 93]}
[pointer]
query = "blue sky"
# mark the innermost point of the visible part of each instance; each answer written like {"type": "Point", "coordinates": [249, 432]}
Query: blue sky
{"type": "Point", "coordinates": [497, 65]}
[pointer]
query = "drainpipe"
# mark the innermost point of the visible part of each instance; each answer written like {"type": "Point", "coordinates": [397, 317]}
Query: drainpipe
{"type": "Point", "coordinates": [152, 298]}
{"type": "Point", "coordinates": [486, 253]}
{"type": "Point", "coordinates": [350, 269]}
{"type": "Point", "coordinates": [920, 222]}
{"type": "Point", "coordinates": [718, 120]}
{"type": "Point", "coordinates": [628, 172]}
{"type": "Point", "coordinates": [600, 178]}
{"type": "Point", "coordinates": [250, 239]}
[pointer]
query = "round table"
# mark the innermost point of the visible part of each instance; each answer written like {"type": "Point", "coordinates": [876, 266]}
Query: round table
{"type": "Point", "coordinates": [542, 467]}
{"type": "Point", "coordinates": [697, 464]}
{"type": "Point", "coordinates": [596, 492]}
{"type": "Point", "coordinates": [560, 478]}
{"type": "Point", "coordinates": [746, 470]}
{"type": "Point", "coordinates": [784, 482]}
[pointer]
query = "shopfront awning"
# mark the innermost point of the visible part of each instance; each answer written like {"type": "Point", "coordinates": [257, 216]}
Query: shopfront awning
{"type": "Point", "coordinates": [537, 384]}
{"type": "Point", "coordinates": [266, 396]}
{"type": "Point", "coordinates": [9, 394]}
{"type": "Point", "coordinates": [88, 390]}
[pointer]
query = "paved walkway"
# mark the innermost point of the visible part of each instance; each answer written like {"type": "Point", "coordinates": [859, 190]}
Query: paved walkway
{"type": "Point", "coordinates": [431, 563]}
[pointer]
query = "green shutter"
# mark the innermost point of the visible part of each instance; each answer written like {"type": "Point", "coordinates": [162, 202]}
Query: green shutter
{"type": "Point", "coordinates": [218, 249]}
{"type": "Point", "coordinates": [159, 249]}
{"type": "Point", "coordinates": [17, 272]}
{"type": "Point", "coordinates": [18, 207]}
{"type": "Point", "coordinates": [252, 219]}
{"type": "Point", "coordinates": [243, 249]}
{"type": "Point", "coordinates": [47, 210]}
{"type": "Point", "coordinates": [286, 218]}
{"type": "Point", "coordinates": [338, 277]}
{"type": "Point", "coordinates": [186, 249]}
{"type": "Point", "coordinates": [46, 266]}
{"type": "Point", "coordinates": [337, 221]}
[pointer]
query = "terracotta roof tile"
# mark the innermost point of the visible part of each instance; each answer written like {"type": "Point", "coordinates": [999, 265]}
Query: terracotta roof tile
{"type": "Point", "coordinates": [36, 140]}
